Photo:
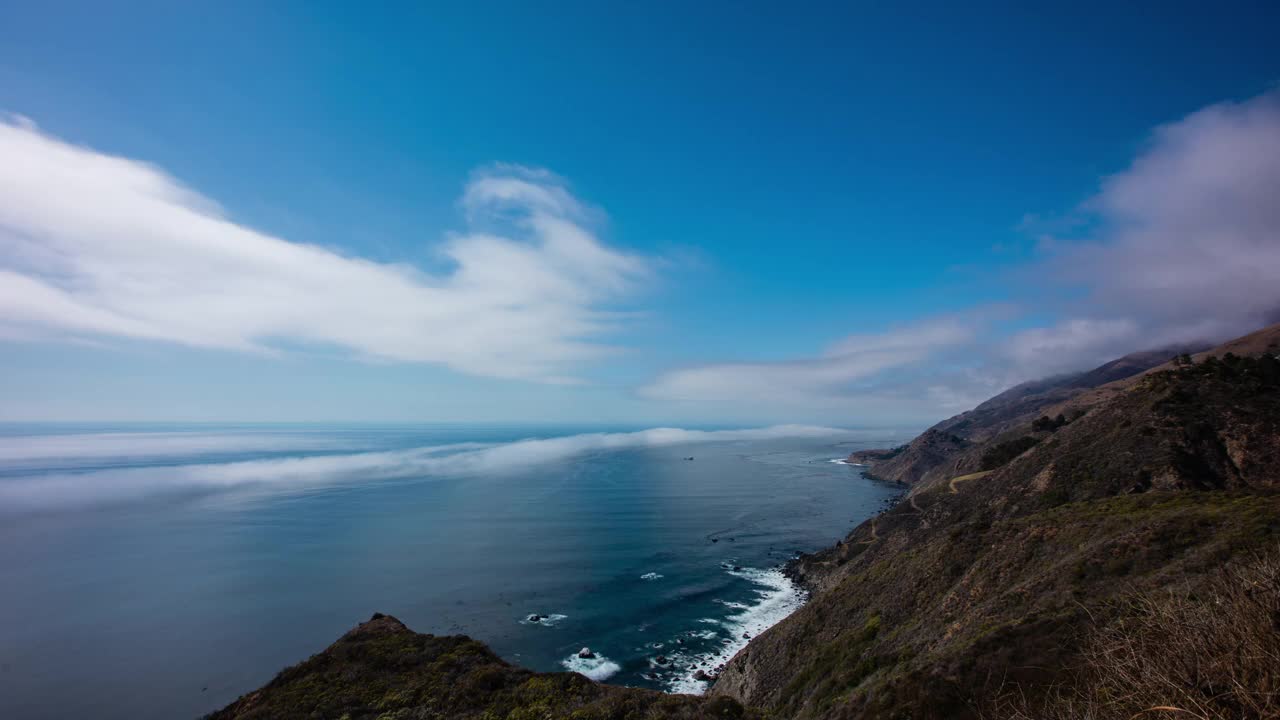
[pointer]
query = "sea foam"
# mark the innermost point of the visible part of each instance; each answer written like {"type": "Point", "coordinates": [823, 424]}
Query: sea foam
{"type": "Point", "coordinates": [777, 597]}
{"type": "Point", "coordinates": [597, 668]}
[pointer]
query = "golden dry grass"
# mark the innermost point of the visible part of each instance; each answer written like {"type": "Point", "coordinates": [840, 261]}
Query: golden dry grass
{"type": "Point", "coordinates": [1212, 653]}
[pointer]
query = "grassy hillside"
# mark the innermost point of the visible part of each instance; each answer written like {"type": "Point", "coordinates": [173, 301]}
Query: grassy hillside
{"type": "Point", "coordinates": [998, 583]}
{"type": "Point", "coordinates": [937, 450]}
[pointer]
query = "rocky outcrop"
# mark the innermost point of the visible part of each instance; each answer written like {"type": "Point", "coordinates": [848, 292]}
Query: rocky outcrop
{"type": "Point", "coordinates": [382, 669]}
{"type": "Point", "coordinates": [908, 464]}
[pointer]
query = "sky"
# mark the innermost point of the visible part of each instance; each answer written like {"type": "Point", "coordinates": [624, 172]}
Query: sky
{"type": "Point", "coordinates": [726, 214]}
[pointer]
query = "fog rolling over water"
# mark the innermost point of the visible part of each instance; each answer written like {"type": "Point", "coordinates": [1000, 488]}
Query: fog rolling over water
{"type": "Point", "coordinates": [163, 571]}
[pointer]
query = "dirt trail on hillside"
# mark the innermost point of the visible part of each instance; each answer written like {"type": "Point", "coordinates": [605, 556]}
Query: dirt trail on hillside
{"type": "Point", "coordinates": [971, 476]}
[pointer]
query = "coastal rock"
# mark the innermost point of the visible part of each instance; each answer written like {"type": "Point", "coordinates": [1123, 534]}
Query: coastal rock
{"type": "Point", "coordinates": [586, 654]}
{"type": "Point", "coordinates": [383, 669]}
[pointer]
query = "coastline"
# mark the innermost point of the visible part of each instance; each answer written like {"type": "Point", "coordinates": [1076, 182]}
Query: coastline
{"type": "Point", "coordinates": [779, 596]}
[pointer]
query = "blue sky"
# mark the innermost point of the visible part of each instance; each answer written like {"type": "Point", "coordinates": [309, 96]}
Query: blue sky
{"type": "Point", "coordinates": [851, 215]}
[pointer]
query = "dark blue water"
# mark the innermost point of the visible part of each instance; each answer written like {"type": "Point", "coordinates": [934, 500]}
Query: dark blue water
{"type": "Point", "coordinates": [162, 572]}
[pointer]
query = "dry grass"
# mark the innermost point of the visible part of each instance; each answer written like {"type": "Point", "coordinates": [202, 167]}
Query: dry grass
{"type": "Point", "coordinates": [1211, 654]}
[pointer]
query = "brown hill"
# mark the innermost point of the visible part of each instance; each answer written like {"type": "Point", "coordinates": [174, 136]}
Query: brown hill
{"type": "Point", "coordinates": [939, 446]}
{"type": "Point", "coordinates": [1007, 577]}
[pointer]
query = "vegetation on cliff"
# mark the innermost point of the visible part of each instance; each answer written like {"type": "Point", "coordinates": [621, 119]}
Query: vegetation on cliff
{"type": "Point", "coordinates": [382, 670]}
{"type": "Point", "coordinates": [1009, 584]}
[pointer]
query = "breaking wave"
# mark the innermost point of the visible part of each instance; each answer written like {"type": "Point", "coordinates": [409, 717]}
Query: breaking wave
{"type": "Point", "coordinates": [597, 668]}
{"type": "Point", "coordinates": [776, 598]}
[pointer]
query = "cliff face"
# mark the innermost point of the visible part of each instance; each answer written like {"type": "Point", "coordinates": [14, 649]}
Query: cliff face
{"type": "Point", "coordinates": [1000, 577]}
{"type": "Point", "coordinates": [1018, 550]}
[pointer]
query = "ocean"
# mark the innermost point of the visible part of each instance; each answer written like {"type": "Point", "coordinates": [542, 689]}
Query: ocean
{"type": "Point", "coordinates": [162, 571]}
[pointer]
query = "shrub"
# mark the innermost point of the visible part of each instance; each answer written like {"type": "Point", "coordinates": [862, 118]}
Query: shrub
{"type": "Point", "coordinates": [1212, 654]}
{"type": "Point", "coordinates": [1001, 454]}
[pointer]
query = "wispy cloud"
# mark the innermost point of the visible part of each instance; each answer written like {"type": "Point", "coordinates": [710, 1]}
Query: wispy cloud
{"type": "Point", "coordinates": [95, 246]}
{"type": "Point", "coordinates": [86, 489]}
{"type": "Point", "coordinates": [830, 377]}
{"type": "Point", "coordinates": [1182, 245]}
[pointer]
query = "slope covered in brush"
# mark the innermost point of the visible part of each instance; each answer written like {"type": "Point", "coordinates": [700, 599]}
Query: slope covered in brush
{"type": "Point", "coordinates": [943, 443]}
{"type": "Point", "coordinates": [1004, 577]}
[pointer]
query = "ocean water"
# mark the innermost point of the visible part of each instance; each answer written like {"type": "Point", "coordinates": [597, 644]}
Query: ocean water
{"type": "Point", "coordinates": [161, 571]}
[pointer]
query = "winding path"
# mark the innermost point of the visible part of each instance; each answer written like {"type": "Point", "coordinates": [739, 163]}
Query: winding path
{"type": "Point", "coordinates": [874, 535]}
{"type": "Point", "coordinates": [962, 478]}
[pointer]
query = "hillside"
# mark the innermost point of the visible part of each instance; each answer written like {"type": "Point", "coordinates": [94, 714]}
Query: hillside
{"type": "Point", "coordinates": [935, 449]}
{"type": "Point", "coordinates": [1118, 555]}
{"type": "Point", "coordinates": [1006, 578]}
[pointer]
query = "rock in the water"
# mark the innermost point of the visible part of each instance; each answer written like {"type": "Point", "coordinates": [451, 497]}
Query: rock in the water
{"type": "Point", "coordinates": [661, 659]}
{"type": "Point", "coordinates": [746, 636]}
{"type": "Point", "coordinates": [535, 617]}
{"type": "Point", "coordinates": [586, 654]}
{"type": "Point", "coordinates": [703, 676]}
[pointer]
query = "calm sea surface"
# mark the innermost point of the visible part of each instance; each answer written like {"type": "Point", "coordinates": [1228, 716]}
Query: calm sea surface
{"type": "Point", "coordinates": [163, 571]}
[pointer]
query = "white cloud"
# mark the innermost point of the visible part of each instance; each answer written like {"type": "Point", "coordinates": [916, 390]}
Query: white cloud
{"type": "Point", "coordinates": [1066, 345]}
{"type": "Point", "coordinates": [97, 246]}
{"type": "Point", "coordinates": [1186, 240]}
{"type": "Point", "coordinates": [831, 377]}
{"type": "Point", "coordinates": [84, 489]}
{"type": "Point", "coordinates": [1183, 245]}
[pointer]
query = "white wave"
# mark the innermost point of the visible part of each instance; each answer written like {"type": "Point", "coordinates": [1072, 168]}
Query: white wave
{"type": "Point", "coordinates": [545, 620]}
{"type": "Point", "coordinates": [778, 598]}
{"type": "Point", "coordinates": [116, 485]}
{"type": "Point", "coordinates": [842, 461]}
{"type": "Point", "coordinates": [597, 668]}
{"type": "Point", "coordinates": [651, 576]}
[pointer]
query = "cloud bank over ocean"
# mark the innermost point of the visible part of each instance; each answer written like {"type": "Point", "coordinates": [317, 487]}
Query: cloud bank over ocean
{"type": "Point", "coordinates": [42, 448]}
{"type": "Point", "coordinates": [66, 490]}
